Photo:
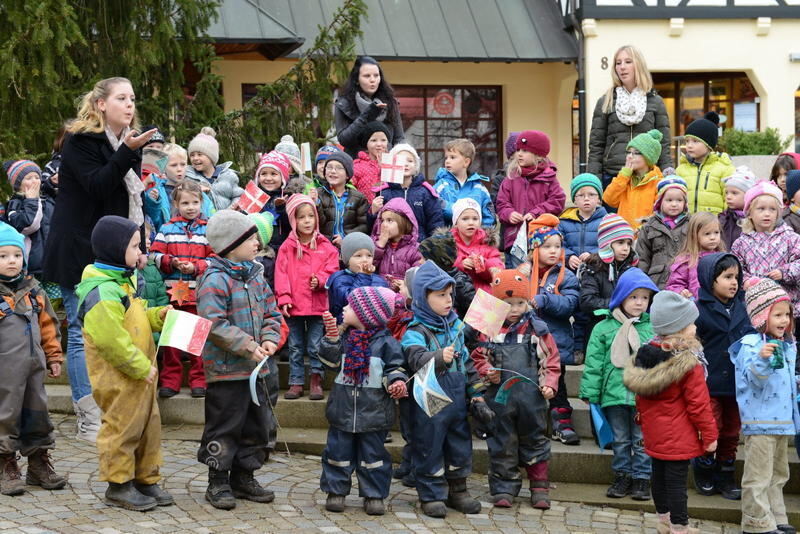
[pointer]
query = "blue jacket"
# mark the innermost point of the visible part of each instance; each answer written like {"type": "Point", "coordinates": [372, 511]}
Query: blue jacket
{"type": "Point", "coordinates": [24, 216]}
{"type": "Point", "coordinates": [766, 396]}
{"type": "Point", "coordinates": [280, 221]}
{"type": "Point", "coordinates": [341, 283]}
{"type": "Point", "coordinates": [424, 202]}
{"type": "Point", "coordinates": [450, 190]}
{"type": "Point", "coordinates": [719, 326]}
{"type": "Point", "coordinates": [556, 309]}
{"type": "Point", "coordinates": [580, 235]}
{"type": "Point", "coordinates": [161, 211]}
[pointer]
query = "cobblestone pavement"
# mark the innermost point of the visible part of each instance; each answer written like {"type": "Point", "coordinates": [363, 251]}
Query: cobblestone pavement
{"type": "Point", "coordinates": [298, 506]}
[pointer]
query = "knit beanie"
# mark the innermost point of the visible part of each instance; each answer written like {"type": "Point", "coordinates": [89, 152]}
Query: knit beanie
{"type": "Point", "coordinates": [670, 313]}
{"type": "Point", "coordinates": [289, 148]}
{"type": "Point", "coordinates": [511, 144]}
{"type": "Point", "coordinates": [110, 238]}
{"type": "Point", "coordinates": [665, 184]}
{"type": "Point", "coordinates": [649, 144]}
{"type": "Point", "coordinates": [405, 147]}
{"type": "Point", "coordinates": [585, 179]}
{"type": "Point", "coordinates": [466, 203]}
{"type": "Point", "coordinates": [18, 170]}
{"type": "Point", "coordinates": [277, 161]}
{"type": "Point", "coordinates": [612, 228]}
{"type": "Point", "coordinates": [373, 306]}
{"type": "Point", "coordinates": [440, 249]}
{"type": "Point", "coordinates": [227, 229]}
{"type": "Point", "coordinates": [759, 297]}
{"type": "Point", "coordinates": [292, 205]}
{"type": "Point", "coordinates": [703, 130]}
{"type": "Point", "coordinates": [9, 237]}
{"type": "Point", "coordinates": [353, 242]}
{"type": "Point", "coordinates": [542, 227]}
{"type": "Point", "coordinates": [343, 158]}
{"type": "Point", "coordinates": [265, 223]}
{"type": "Point", "coordinates": [792, 183]}
{"type": "Point", "coordinates": [762, 188]}
{"type": "Point", "coordinates": [325, 151]}
{"type": "Point", "coordinates": [743, 179]}
{"type": "Point", "coordinates": [510, 283]}
{"type": "Point", "coordinates": [534, 141]}
{"type": "Point", "coordinates": [372, 127]}
{"type": "Point", "coordinates": [205, 142]}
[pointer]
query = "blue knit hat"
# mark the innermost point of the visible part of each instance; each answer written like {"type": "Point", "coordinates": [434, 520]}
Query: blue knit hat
{"type": "Point", "coordinates": [325, 152]}
{"type": "Point", "coordinates": [10, 237]}
{"type": "Point", "coordinates": [629, 281]}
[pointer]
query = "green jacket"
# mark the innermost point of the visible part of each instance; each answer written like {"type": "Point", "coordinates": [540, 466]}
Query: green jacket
{"type": "Point", "coordinates": [704, 181]}
{"type": "Point", "coordinates": [155, 291]}
{"type": "Point", "coordinates": [601, 382]}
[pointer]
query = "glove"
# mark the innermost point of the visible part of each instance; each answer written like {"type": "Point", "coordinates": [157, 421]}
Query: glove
{"type": "Point", "coordinates": [329, 321]}
{"type": "Point", "coordinates": [482, 413]}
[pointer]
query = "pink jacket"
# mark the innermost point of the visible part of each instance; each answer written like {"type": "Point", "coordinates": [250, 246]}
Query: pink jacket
{"type": "Point", "coordinates": [293, 275]}
{"type": "Point", "coordinates": [366, 175]}
{"type": "Point", "coordinates": [682, 276]}
{"type": "Point", "coordinates": [481, 278]}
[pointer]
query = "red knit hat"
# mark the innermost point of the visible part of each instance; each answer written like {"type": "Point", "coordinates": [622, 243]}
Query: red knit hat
{"type": "Point", "coordinates": [534, 141]}
{"type": "Point", "coordinates": [277, 161]}
{"type": "Point", "coordinates": [511, 283]}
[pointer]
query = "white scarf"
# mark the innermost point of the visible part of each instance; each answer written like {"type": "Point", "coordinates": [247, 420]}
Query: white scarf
{"type": "Point", "coordinates": [626, 341]}
{"type": "Point", "coordinates": [630, 107]}
{"type": "Point", "coordinates": [133, 184]}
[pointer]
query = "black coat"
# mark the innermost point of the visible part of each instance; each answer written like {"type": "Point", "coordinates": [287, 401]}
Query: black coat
{"type": "Point", "coordinates": [596, 288]}
{"type": "Point", "coordinates": [350, 125]}
{"type": "Point", "coordinates": [91, 185]}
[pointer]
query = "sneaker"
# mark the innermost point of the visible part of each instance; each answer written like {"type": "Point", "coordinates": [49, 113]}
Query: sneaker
{"type": "Point", "coordinates": [198, 393]}
{"type": "Point", "coordinates": [787, 529]}
{"type": "Point", "coordinates": [725, 480]}
{"type": "Point", "coordinates": [640, 489]}
{"type": "Point", "coordinates": [166, 393]}
{"type": "Point", "coordinates": [621, 486]}
{"type": "Point", "coordinates": [703, 471]}
{"type": "Point", "coordinates": [388, 438]}
{"type": "Point", "coordinates": [563, 430]}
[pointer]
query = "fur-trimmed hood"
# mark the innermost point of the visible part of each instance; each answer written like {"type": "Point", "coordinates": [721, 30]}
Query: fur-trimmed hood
{"type": "Point", "coordinates": [655, 369]}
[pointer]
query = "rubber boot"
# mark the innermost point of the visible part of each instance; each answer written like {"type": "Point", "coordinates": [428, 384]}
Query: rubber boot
{"type": "Point", "coordinates": [128, 497]}
{"type": "Point", "coordinates": [155, 491]}
{"type": "Point", "coordinates": [10, 477]}
{"type": "Point", "coordinates": [458, 498]}
{"type": "Point", "coordinates": [726, 480]}
{"type": "Point", "coordinates": [374, 506]}
{"type": "Point", "coordinates": [316, 387]}
{"type": "Point", "coordinates": [434, 509]}
{"type": "Point", "coordinates": [334, 503]}
{"type": "Point", "coordinates": [219, 492]}
{"type": "Point", "coordinates": [245, 486]}
{"type": "Point", "coordinates": [503, 500]}
{"type": "Point", "coordinates": [703, 470]}
{"type": "Point", "coordinates": [563, 430]}
{"type": "Point", "coordinates": [295, 392]}
{"type": "Point", "coordinates": [540, 485]}
{"type": "Point", "coordinates": [41, 472]}
{"type": "Point", "coordinates": [88, 418]}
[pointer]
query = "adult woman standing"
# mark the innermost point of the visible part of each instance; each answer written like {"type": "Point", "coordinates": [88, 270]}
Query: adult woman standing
{"type": "Point", "coordinates": [366, 96]}
{"type": "Point", "coordinates": [630, 107]}
{"type": "Point", "coordinates": [98, 176]}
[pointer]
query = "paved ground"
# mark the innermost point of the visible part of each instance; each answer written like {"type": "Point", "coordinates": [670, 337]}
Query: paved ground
{"type": "Point", "coordinates": [298, 506]}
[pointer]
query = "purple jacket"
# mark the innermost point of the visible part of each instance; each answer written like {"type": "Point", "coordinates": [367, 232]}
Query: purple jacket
{"type": "Point", "coordinates": [731, 226]}
{"type": "Point", "coordinates": [682, 276]}
{"type": "Point", "coordinates": [395, 261]}
{"type": "Point", "coordinates": [536, 195]}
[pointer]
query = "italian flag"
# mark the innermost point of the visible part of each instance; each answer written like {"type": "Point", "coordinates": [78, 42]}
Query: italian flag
{"type": "Point", "coordinates": [184, 331]}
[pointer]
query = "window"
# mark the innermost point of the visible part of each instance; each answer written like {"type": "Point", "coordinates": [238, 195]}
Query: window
{"type": "Point", "coordinates": [249, 90]}
{"type": "Point", "coordinates": [433, 115]}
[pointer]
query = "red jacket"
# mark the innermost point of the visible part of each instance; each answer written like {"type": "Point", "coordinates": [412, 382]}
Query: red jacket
{"type": "Point", "coordinates": [366, 176]}
{"type": "Point", "coordinates": [183, 239]}
{"type": "Point", "coordinates": [293, 275]}
{"type": "Point", "coordinates": [673, 403]}
{"type": "Point", "coordinates": [482, 276]}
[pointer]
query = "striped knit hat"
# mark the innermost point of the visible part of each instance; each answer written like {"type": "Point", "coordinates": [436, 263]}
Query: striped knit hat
{"type": "Point", "coordinates": [373, 306]}
{"type": "Point", "coordinates": [264, 226]}
{"type": "Point", "coordinates": [612, 228]}
{"type": "Point", "coordinates": [275, 160]}
{"type": "Point", "coordinates": [511, 283]}
{"type": "Point", "coordinates": [325, 152]}
{"type": "Point", "coordinates": [539, 229]}
{"type": "Point", "coordinates": [19, 169]}
{"type": "Point", "coordinates": [762, 188]}
{"type": "Point", "coordinates": [671, 181]}
{"type": "Point", "coordinates": [761, 294]}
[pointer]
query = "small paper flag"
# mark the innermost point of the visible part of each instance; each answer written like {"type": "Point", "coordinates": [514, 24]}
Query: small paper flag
{"type": "Point", "coordinates": [254, 377]}
{"type": "Point", "coordinates": [154, 161]}
{"type": "Point", "coordinates": [253, 198]}
{"type": "Point", "coordinates": [487, 313]}
{"type": "Point", "coordinates": [184, 331]}
{"type": "Point", "coordinates": [180, 292]}
{"type": "Point", "coordinates": [305, 158]}
{"type": "Point", "coordinates": [505, 388]}
{"type": "Point", "coordinates": [601, 427]}
{"type": "Point", "coordinates": [392, 168]}
{"type": "Point", "coordinates": [427, 392]}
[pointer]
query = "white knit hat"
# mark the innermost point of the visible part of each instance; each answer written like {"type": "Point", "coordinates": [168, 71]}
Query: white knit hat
{"type": "Point", "coordinates": [205, 143]}
{"type": "Point", "coordinates": [289, 148]}
{"type": "Point", "coordinates": [466, 203]}
{"type": "Point", "coordinates": [405, 147]}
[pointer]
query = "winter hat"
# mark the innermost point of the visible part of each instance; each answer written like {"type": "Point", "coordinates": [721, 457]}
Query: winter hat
{"type": "Point", "coordinates": [759, 297]}
{"type": "Point", "coordinates": [265, 223]}
{"type": "Point", "coordinates": [670, 313]}
{"type": "Point", "coordinates": [666, 183]}
{"type": "Point", "coordinates": [9, 237]}
{"type": "Point", "coordinates": [511, 143]}
{"type": "Point", "coordinates": [409, 280]}
{"type": "Point", "coordinates": [585, 179]}
{"type": "Point", "coordinates": [353, 242]}
{"type": "Point", "coordinates": [539, 229]}
{"type": "Point", "coordinates": [792, 183]}
{"type": "Point", "coordinates": [158, 137]}
{"type": "Point", "coordinates": [277, 161]}
{"type": "Point", "coordinates": [440, 248]}
{"type": "Point", "coordinates": [110, 238]}
{"type": "Point", "coordinates": [466, 203]}
{"type": "Point", "coordinates": [713, 116]}
{"type": "Point", "coordinates": [292, 205]}
{"type": "Point", "coordinates": [325, 151]}
{"type": "Point", "coordinates": [743, 179]}
{"type": "Point", "coordinates": [649, 144]}
{"type": "Point", "coordinates": [703, 130]}
{"type": "Point", "coordinates": [373, 306]}
{"type": "Point", "coordinates": [372, 127]}
{"type": "Point", "coordinates": [405, 147]}
{"type": "Point", "coordinates": [629, 281]}
{"type": "Point", "coordinates": [533, 141]}
{"type": "Point", "coordinates": [343, 158]}
{"type": "Point", "coordinates": [205, 142]}
{"type": "Point", "coordinates": [227, 229]}
{"type": "Point", "coordinates": [289, 148]}
{"type": "Point", "coordinates": [19, 169]}
{"type": "Point", "coordinates": [612, 228]}
{"type": "Point", "coordinates": [511, 283]}
{"type": "Point", "coordinates": [762, 188]}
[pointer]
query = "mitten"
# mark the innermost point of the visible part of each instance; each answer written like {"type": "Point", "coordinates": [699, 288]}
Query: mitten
{"type": "Point", "coordinates": [329, 321]}
{"type": "Point", "coordinates": [482, 413]}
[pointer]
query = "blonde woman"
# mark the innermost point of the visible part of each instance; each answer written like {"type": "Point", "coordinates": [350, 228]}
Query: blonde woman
{"type": "Point", "coordinates": [630, 107]}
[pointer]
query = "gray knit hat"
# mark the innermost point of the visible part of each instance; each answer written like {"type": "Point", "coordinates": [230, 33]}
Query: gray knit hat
{"type": "Point", "coordinates": [353, 242]}
{"type": "Point", "coordinates": [671, 313]}
{"type": "Point", "coordinates": [343, 158]}
{"type": "Point", "coordinates": [227, 229]}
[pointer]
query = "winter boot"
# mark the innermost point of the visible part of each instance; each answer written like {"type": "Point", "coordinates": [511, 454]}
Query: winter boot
{"type": "Point", "coordinates": [503, 500]}
{"type": "Point", "coordinates": [374, 506]}
{"type": "Point", "coordinates": [621, 486]}
{"type": "Point", "coordinates": [703, 470]}
{"type": "Point", "coordinates": [126, 496]}
{"type": "Point", "coordinates": [219, 492]}
{"type": "Point", "coordinates": [725, 480]}
{"type": "Point", "coordinates": [245, 486]}
{"type": "Point", "coordinates": [640, 489]}
{"type": "Point", "coordinates": [316, 387]}
{"type": "Point", "coordinates": [434, 509]}
{"type": "Point", "coordinates": [563, 430]}
{"type": "Point", "coordinates": [295, 392]}
{"type": "Point", "coordinates": [540, 485]}
{"type": "Point", "coordinates": [88, 418]}
{"type": "Point", "coordinates": [155, 491]}
{"type": "Point", "coordinates": [459, 499]}
{"type": "Point", "coordinates": [334, 503]}
{"type": "Point", "coordinates": [683, 529]}
{"type": "Point", "coordinates": [10, 477]}
{"type": "Point", "coordinates": [41, 473]}
{"type": "Point", "coordinates": [410, 480]}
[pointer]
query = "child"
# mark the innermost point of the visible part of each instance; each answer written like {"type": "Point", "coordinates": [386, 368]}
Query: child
{"type": "Point", "coordinates": [419, 194]}
{"type": "Point", "coordinates": [245, 329]}
{"type": "Point", "coordinates": [396, 241]}
{"type": "Point", "coordinates": [181, 252]}
{"type": "Point", "coordinates": [305, 261]}
{"type": "Point", "coordinates": [703, 238]}
{"type": "Point", "coordinates": [612, 345]}
{"type": "Point", "coordinates": [220, 180]}
{"type": "Point", "coordinates": [784, 163]}
{"type": "Point", "coordinates": [30, 343]}
{"type": "Point", "coordinates": [530, 192]}
{"type": "Point", "coordinates": [721, 322]}
{"type": "Point", "coordinates": [342, 208]}
{"type": "Point", "coordinates": [477, 250]}
{"type": "Point", "coordinates": [674, 410]}
{"type": "Point", "coordinates": [357, 253]}
{"type": "Point", "coordinates": [442, 442]}
{"type": "Point", "coordinates": [272, 176]}
{"type": "Point", "coordinates": [361, 402]}
{"type": "Point", "coordinates": [324, 152]}
{"type": "Point", "coordinates": [154, 291]}
{"type": "Point", "coordinates": [454, 183]}
{"type": "Point", "coordinates": [375, 141]}
{"type": "Point", "coordinates": [580, 224]}
{"type": "Point", "coordinates": [634, 189]}
{"type": "Point", "coordinates": [791, 214]}
{"type": "Point", "coordinates": [265, 256]}
{"type": "Point", "coordinates": [441, 249]}
{"type": "Point", "coordinates": [731, 219]}
{"type": "Point", "coordinates": [703, 169]}
{"type": "Point", "coordinates": [120, 357]}
{"type": "Point", "coordinates": [519, 437]}
{"type": "Point", "coordinates": [663, 234]}
{"type": "Point", "coordinates": [766, 391]}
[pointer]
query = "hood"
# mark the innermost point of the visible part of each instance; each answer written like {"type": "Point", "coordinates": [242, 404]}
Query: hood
{"type": "Point", "coordinates": [27, 283]}
{"type": "Point", "coordinates": [429, 277]}
{"type": "Point", "coordinates": [655, 369]}
{"type": "Point", "coordinates": [653, 175]}
{"type": "Point", "coordinates": [705, 274]}
{"type": "Point", "coordinates": [93, 276]}
{"type": "Point", "coordinates": [243, 272]}
{"type": "Point", "coordinates": [795, 156]}
{"type": "Point", "coordinates": [398, 205]}
{"type": "Point", "coordinates": [631, 280]}
{"type": "Point", "coordinates": [571, 214]}
{"type": "Point", "coordinates": [444, 173]}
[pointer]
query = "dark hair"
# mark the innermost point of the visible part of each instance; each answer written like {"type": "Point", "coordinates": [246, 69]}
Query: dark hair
{"type": "Point", "coordinates": [784, 162]}
{"type": "Point", "coordinates": [724, 264]}
{"type": "Point", "coordinates": [385, 92]}
{"type": "Point", "coordinates": [187, 186]}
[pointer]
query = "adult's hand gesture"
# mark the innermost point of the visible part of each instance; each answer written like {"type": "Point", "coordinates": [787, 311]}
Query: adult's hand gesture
{"type": "Point", "coordinates": [135, 141]}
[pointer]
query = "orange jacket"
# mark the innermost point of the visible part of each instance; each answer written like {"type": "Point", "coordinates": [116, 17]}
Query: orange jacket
{"type": "Point", "coordinates": [633, 203]}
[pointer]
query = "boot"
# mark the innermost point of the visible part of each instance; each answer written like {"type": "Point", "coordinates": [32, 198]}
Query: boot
{"type": "Point", "coordinates": [219, 492]}
{"type": "Point", "coordinates": [88, 418]}
{"type": "Point", "coordinates": [621, 486]}
{"type": "Point", "coordinates": [126, 496]}
{"type": "Point", "coordinates": [295, 392]}
{"type": "Point", "coordinates": [374, 506]}
{"type": "Point", "coordinates": [726, 480]}
{"type": "Point", "coordinates": [434, 509]}
{"type": "Point", "coordinates": [316, 387]}
{"type": "Point", "coordinates": [683, 529]}
{"type": "Point", "coordinates": [410, 480]}
{"type": "Point", "coordinates": [663, 523]}
{"type": "Point", "coordinates": [703, 470]}
{"type": "Point", "coordinates": [459, 499]}
{"type": "Point", "coordinates": [245, 486]}
{"type": "Point", "coordinates": [334, 503]}
{"type": "Point", "coordinates": [10, 477]}
{"type": "Point", "coordinates": [787, 529]}
{"type": "Point", "coordinates": [41, 473]}
{"type": "Point", "coordinates": [402, 470]}
{"type": "Point", "coordinates": [540, 485]}
{"type": "Point", "coordinates": [563, 430]}
{"type": "Point", "coordinates": [155, 491]}
{"type": "Point", "coordinates": [640, 489]}
{"type": "Point", "coordinates": [503, 500]}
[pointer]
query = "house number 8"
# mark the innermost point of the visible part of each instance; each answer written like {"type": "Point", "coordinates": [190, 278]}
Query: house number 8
{"type": "Point", "coordinates": [604, 62]}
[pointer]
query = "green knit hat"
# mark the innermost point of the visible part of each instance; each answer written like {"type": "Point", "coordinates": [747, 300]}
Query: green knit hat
{"type": "Point", "coordinates": [586, 179]}
{"type": "Point", "coordinates": [649, 144]}
{"type": "Point", "coordinates": [264, 225]}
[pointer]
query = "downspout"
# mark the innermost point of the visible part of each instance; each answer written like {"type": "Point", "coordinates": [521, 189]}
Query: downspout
{"type": "Point", "coordinates": [581, 65]}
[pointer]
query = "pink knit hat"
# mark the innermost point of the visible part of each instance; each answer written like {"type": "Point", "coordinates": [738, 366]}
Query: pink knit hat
{"type": "Point", "coordinates": [292, 205]}
{"type": "Point", "coordinates": [762, 188]}
{"type": "Point", "coordinates": [277, 161]}
{"type": "Point", "coordinates": [373, 306]}
{"type": "Point", "coordinates": [759, 298]}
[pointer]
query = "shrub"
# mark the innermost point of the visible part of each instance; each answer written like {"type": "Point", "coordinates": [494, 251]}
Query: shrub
{"type": "Point", "coordinates": [766, 143]}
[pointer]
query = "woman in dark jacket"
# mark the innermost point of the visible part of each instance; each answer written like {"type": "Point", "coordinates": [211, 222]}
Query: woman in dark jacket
{"type": "Point", "coordinates": [367, 96]}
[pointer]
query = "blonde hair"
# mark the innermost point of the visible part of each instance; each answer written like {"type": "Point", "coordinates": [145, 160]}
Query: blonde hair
{"type": "Point", "coordinates": [691, 247]}
{"type": "Point", "coordinates": [512, 168]}
{"type": "Point", "coordinates": [644, 80]}
{"type": "Point", "coordinates": [90, 119]}
{"type": "Point", "coordinates": [174, 149]}
{"type": "Point", "coordinates": [463, 147]}
{"type": "Point", "coordinates": [747, 224]}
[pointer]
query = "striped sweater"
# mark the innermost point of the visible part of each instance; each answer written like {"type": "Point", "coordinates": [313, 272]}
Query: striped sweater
{"type": "Point", "coordinates": [185, 240]}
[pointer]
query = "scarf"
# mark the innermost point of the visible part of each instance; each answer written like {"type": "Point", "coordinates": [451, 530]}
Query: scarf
{"type": "Point", "coordinates": [528, 172]}
{"type": "Point", "coordinates": [672, 222]}
{"type": "Point", "coordinates": [133, 184]}
{"type": "Point", "coordinates": [357, 355]}
{"type": "Point", "coordinates": [630, 107]}
{"type": "Point", "coordinates": [626, 341]}
{"type": "Point", "coordinates": [362, 103]}
{"type": "Point", "coordinates": [794, 209]}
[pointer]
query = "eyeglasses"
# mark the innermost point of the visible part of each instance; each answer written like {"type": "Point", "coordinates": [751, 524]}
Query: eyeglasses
{"type": "Point", "coordinates": [334, 167]}
{"type": "Point", "coordinates": [587, 195]}
{"type": "Point", "coordinates": [633, 153]}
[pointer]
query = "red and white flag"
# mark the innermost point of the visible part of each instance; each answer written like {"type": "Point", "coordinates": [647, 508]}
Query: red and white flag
{"type": "Point", "coordinates": [392, 167]}
{"type": "Point", "coordinates": [253, 198]}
